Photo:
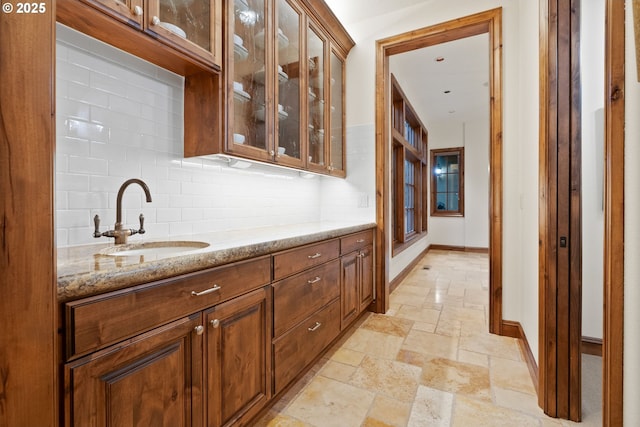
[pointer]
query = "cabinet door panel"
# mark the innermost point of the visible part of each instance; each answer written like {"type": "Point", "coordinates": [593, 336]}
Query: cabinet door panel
{"type": "Point", "coordinates": [238, 362]}
{"type": "Point", "coordinates": [350, 302]}
{"type": "Point", "coordinates": [151, 380]}
{"type": "Point", "coordinates": [336, 117]}
{"type": "Point", "coordinates": [127, 11]}
{"type": "Point", "coordinates": [192, 26]}
{"type": "Point", "coordinates": [249, 38]}
{"type": "Point", "coordinates": [288, 60]}
{"type": "Point", "coordinates": [316, 52]}
{"type": "Point", "coordinates": [366, 277]}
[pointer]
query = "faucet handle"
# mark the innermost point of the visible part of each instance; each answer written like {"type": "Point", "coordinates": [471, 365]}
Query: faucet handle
{"type": "Point", "coordinates": [96, 223]}
{"type": "Point", "coordinates": [141, 230]}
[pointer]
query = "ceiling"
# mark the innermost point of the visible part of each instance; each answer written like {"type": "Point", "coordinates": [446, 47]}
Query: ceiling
{"type": "Point", "coordinates": [350, 11]}
{"type": "Point", "coordinates": [464, 71]}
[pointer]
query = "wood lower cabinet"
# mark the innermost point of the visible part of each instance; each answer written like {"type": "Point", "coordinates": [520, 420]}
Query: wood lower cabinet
{"type": "Point", "coordinates": [296, 349]}
{"type": "Point", "coordinates": [211, 348]}
{"type": "Point", "coordinates": [366, 277]}
{"type": "Point", "coordinates": [349, 299]}
{"type": "Point", "coordinates": [238, 362]}
{"type": "Point", "coordinates": [154, 379]}
{"type": "Point", "coordinates": [356, 280]}
{"type": "Point", "coordinates": [306, 307]}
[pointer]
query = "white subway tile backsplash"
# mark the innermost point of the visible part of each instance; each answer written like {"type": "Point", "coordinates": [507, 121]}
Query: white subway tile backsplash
{"type": "Point", "coordinates": [88, 165]}
{"type": "Point", "coordinates": [168, 214]}
{"type": "Point", "coordinates": [80, 92]}
{"type": "Point", "coordinates": [80, 200]}
{"type": "Point", "coordinates": [66, 182]}
{"type": "Point", "coordinates": [71, 218]}
{"type": "Point", "coordinates": [124, 168]}
{"type": "Point", "coordinates": [120, 117]}
{"type": "Point", "coordinates": [181, 228]}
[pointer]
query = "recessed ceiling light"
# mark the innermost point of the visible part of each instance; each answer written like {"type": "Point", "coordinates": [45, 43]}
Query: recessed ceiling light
{"type": "Point", "coordinates": [440, 59]}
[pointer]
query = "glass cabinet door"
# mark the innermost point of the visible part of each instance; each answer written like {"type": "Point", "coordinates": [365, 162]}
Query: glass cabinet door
{"type": "Point", "coordinates": [128, 11]}
{"type": "Point", "coordinates": [288, 60]}
{"type": "Point", "coordinates": [191, 25]}
{"type": "Point", "coordinates": [248, 75]}
{"type": "Point", "coordinates": [336, 115]}
{"type": "Point", "coordinates": [316, 95]}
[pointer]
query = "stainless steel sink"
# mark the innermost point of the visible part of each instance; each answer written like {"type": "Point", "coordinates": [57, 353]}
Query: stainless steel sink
{"type": "Point", "coordinates": [163, 249]}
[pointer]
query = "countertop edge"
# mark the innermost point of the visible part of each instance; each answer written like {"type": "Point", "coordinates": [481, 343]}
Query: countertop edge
{"type": "Point", "coordinates": [82, 285]}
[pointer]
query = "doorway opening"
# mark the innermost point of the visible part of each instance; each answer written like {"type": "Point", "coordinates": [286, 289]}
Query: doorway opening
{"type": "Point", "coordinates": [490, 23]}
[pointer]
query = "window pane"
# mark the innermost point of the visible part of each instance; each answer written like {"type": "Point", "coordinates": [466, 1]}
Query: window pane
{"type": "Point", "coordinates": [453, 182]}
{"type": "Point", "coordinates": [453, 202]}
{"type": "Point", "coordinates": [452, 163]}
{"type": "Point", "coordinates": [447, 187]}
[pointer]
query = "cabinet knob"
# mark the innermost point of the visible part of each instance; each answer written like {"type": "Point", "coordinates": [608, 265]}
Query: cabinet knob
{"type": "Point", "coordinates": [199, 329]}
{"type": "Point", "coordinates": [137, 10]}
{"type": "Point", "coordinates": [215, 323]}
{"type": "Point", "coordinates": [155, 20]}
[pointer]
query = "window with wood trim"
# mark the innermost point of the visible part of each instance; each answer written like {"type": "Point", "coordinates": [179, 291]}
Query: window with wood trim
{"type": "Point", "coordinates": [409, 172]}
{"type": "Point", "coordinates": [447, 182]}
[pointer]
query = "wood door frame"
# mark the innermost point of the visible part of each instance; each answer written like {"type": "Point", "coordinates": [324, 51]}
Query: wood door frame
{"type": "Point", "coordinates": [613, 330]}
{"type": "Point", "coordinates": [484, 22]}
{"type": "Point", "coordinates": [29, 327]}
{"type": "Point", "coordinates": [552, 116]}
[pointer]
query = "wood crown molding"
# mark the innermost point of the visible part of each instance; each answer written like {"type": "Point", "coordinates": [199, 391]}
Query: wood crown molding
{"type": "Point", "coordinates": [327, 19]}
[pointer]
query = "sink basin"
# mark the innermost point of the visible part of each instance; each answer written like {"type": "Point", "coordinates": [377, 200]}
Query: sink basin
{"type": "Point", "coordinates": [155, 250]}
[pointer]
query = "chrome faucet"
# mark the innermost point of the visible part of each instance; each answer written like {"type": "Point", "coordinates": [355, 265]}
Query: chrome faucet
{"type": "Point", "coordinates": [118, 232]}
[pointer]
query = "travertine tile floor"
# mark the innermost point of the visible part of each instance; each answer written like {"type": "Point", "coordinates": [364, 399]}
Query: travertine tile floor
{"type": "Point", "coordinates": [429, 361]}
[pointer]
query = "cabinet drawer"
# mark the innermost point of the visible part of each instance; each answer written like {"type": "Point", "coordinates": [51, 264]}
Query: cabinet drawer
{"type": "Point", "coordinates": [301, 345]}
{"type": "Point", "coordinates": [95, 322]}
{"type": "Point", "coordinates": [355, 241]}
{"type": "Point", "coordinates": [297, 297]}
{"type": "Point", "coordinates": [298, 259]}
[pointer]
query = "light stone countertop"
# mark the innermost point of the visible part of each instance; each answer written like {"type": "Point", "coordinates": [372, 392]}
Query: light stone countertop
{"type": "Point", "coordinates": [83, 271]}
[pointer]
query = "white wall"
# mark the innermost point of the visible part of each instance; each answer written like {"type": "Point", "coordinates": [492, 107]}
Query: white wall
{"type": "Point", "coordinates": [472, 230]}
{"type": "Point", "coordinates": [476, 183]}
{"type": "Point", "coordinates": [446, 230]}
{"type": "Point", "coordinates": [631, 231]}
{"type": "Point", "coordinates": [592, 69]}
{"type": "Point", "coordinates": [521, 300]}
{"type": "Point", "coordinates": [119, 117]}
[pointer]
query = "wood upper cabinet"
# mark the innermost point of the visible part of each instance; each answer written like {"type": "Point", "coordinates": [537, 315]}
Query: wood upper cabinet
{"type": "Point", "coordinates": [128, 11]}
{"type": "Point", "coordinates": [192, 28]}
{"type": "Point", "coordinates": [285, 84]}
{"type": "Point", "coordinates": [238, 362]}
{"type": "Point", "coordinates": [154, 379]}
